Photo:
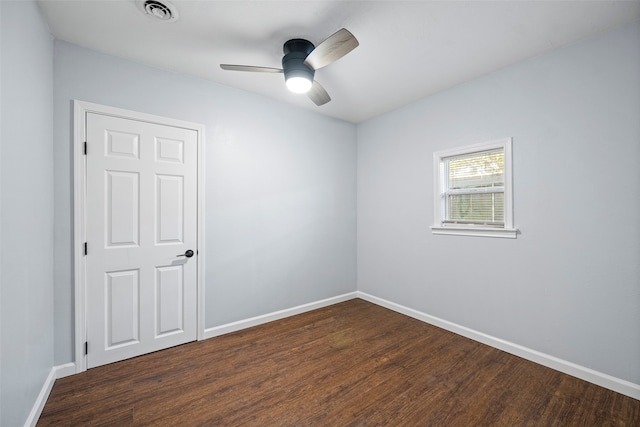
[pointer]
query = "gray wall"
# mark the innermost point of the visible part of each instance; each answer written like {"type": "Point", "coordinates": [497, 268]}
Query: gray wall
{"type": "Point", "coordinates": [26, 195]}
{"type": "Point", "coordinates": [569, 286]}
{"type": "Point", "coordinates": [280, 188]}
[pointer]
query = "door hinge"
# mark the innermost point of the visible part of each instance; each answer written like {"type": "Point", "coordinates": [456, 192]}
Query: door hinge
{"type": "Point", "coordinates": [85, 148]}
{"type": "Point", "coordinates": [85, 248]}
{"type": "Point", "coordinates": [86, 347]}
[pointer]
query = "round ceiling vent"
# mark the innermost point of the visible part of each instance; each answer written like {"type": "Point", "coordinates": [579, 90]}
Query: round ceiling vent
{"type": "Point", "coordinates": [158, 10]}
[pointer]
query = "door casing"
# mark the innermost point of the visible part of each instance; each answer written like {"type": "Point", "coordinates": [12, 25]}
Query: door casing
{"type": "Point", "coordinates": [81, 109]}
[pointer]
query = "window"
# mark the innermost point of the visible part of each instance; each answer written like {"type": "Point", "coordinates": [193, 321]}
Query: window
{"type": "Point", "coordinates": [473, 194]}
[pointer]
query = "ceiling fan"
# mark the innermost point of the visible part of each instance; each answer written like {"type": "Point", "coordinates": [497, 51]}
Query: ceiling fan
{"type": "Point", "coordinates": [302, 59]}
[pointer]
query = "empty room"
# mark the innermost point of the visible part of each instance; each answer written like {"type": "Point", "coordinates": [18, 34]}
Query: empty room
{"type": "Point", "coordinates": [319, 213]}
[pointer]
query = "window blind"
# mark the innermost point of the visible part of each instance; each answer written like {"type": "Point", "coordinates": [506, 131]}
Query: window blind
{"type": "Point", "coordinates": [474, 190]}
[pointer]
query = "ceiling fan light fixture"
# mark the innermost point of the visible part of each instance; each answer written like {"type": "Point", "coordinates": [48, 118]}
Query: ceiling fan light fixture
{"type": "Point", "coordinates": [297, 76]}
{"type": "Point", "coordinates": [299, 84]}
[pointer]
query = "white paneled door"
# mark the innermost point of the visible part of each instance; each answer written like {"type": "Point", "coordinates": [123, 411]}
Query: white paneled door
{"type": "Point", "coordinates": [141, 233]}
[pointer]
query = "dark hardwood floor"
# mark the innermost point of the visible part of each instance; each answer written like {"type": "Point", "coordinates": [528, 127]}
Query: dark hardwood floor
{"type": "Point", "coordinates": [350, 364]}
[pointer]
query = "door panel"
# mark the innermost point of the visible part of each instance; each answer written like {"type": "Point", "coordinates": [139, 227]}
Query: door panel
{"type": "Point", "coordinates": [170, 197]}
{"type": "Point", "coordinates": [123, 308]}
{"type": "Point", "coordinates": [169, 291]}
{"type": "Point", "coordinates": [122, 208]}
{"type": "Point", "coordinates": [141, 216]}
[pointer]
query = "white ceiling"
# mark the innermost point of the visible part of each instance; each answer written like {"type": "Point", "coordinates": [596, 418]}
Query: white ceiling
{"type": "Point", "coordinates": [408, 49]}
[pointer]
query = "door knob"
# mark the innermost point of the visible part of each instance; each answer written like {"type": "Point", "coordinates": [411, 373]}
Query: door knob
{"type": "Point", "coordinates": [188, 253]}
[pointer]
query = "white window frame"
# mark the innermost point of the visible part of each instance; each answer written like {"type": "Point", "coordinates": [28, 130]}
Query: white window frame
{"type": "Point", "coordinates": [439, 226]}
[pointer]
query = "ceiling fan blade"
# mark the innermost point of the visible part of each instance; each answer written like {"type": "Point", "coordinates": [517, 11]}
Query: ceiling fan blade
{"type": "Point", "coordinates": [318, 95]}
{"type": "Point", "coordinates": [333, 48]}
{"type": "Point", "coordinates": [250, 68]}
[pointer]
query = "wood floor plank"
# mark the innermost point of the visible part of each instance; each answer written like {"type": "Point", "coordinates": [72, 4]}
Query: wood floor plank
{"type": "Point", "coordinates": [350, 364]}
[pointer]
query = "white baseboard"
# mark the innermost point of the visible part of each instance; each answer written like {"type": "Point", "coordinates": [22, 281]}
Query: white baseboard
{"type": "Point", "coordinates": [65, 370]}
{"type": "Point", "coordinates": [604, 380]}
{"type": "Point", "coordinates": [38, 406]}
{"type": "Point", "coordinates": [55, 373]}
{"type": "Point", "coordinates": [277, 315]}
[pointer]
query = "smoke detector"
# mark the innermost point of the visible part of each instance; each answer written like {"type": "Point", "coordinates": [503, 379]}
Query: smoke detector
{"type": "Point", "coordinates": [158, 10]}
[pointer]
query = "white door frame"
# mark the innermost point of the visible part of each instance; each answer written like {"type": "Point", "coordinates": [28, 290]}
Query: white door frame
{"type": "Point", "coordinates": [81, 109]}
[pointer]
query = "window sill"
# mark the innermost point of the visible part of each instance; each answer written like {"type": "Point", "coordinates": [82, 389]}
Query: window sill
{"type": "Point", "coordinates": [505, 233]}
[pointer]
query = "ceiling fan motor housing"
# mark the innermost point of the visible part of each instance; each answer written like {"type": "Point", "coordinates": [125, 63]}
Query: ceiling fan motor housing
{"type": "Point", "coordinates": [295, 52]}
